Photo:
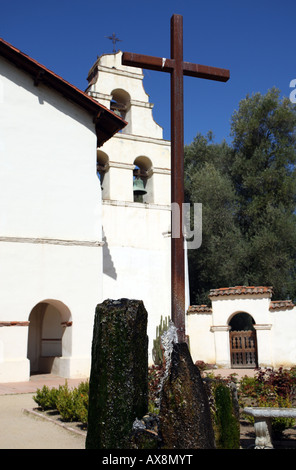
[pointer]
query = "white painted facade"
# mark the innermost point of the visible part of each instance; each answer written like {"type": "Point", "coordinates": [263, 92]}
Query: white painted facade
{"type": "Point", "coordinates": [69, 241]}
{"type": "Point", "coordinates": [274, 322]}
{"type": "Point", "coordinates": [50, 228]}
{"type": "Point", "coordinates": [66, 241]}
{"type": "Point", "coordinates": [137, 250]}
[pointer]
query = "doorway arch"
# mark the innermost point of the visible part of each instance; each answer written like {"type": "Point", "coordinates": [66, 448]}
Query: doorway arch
{"type": "Point", "coordinates": [49, 339]}
{"type": "Point", "coordinates": [243, 341]}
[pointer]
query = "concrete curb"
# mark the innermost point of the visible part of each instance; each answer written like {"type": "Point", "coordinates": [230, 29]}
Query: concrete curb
{"type": "Point", "coordinates": [54, 421]}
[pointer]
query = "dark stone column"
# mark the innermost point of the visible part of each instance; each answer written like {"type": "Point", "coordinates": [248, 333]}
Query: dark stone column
{"type": "Point", "coordinates": [118, 388]}
{"type": "Point", "coordinates": [185, 420]}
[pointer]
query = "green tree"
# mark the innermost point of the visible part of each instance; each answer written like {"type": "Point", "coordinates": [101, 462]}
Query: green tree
{"type": "Point", "coordinates": [217, 262]}
{"type": "Point", "coordinates": [248, 193]}
{"type": "Point", "coordinates": [263, 173]}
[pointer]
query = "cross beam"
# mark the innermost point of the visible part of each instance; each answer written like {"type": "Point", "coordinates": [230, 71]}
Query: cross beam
{"type": "Point", "coordinates": [177, 68]}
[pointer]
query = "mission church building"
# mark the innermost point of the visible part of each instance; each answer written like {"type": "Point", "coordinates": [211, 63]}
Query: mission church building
{"type": "Point", "coordinates": [85, 215]}
{"type": "Point", "coordinates": [51, 244]}
{"type": "Point", "coordinates": [84, 210]}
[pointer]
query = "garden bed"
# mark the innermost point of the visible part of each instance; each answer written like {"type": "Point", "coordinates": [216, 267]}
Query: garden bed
{"type": "Point", "coordinates": [68, 407]}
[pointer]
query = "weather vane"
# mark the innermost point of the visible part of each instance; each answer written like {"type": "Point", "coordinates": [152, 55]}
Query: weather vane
{"type": "Point", "coordinates": [114, 39]}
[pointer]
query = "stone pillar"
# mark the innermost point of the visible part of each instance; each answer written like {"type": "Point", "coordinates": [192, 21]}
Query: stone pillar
{"type": "Point", "coordinates": [184, 416]}
{"type": "Point", "coordinates": [118, 388]}
{"type": "Point", "coordinates": [222, 346]}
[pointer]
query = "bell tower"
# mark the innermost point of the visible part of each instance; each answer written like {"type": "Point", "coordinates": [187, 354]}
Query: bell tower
{"type": "Point", "coordinates": [134, 172]}
{"type": "Point", "coordinates": [138, 155]}
{"type": "Point", "coordinates": [120, 88]}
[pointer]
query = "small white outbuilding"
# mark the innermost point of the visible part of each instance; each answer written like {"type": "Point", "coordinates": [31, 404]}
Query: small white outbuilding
{"type": "Point", "coordinates": [243, 328]}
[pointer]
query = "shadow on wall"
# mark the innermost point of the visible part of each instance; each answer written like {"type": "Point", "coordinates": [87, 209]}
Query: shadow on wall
{"type": "Point", "coordinates": [108, 265]}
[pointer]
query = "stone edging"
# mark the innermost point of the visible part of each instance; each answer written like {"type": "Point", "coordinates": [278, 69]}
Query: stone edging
{"type": "Point", "coordinates": [54, 421]}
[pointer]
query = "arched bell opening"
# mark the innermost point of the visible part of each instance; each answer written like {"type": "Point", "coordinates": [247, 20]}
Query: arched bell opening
{"type": "Point", "coordinates": [103, 173]}
{"type": "Point", "coordinates": [243, 341]}
{"type": "Point", "coordinates": [142, 180]}
{"type": "Point", "coordinates": [49, 336]}
{"type": "Point", "coordinates": [120, 104]}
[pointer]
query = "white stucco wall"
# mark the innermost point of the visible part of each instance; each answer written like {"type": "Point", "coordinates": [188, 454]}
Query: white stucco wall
{"type": "Point", "coordinates": [50, 219]}
{"type": "Point", "coordinates": [201, 338]}
{"type": "Point", "coordinates": [284, 337]}
{"type": "Point", "coordinates": [275, 331]}
{"type": "Point", "coordinates": [137, 254]}
{"type": "Point", "coordinates": [137, 258]}
{"type": "Point", "coordinates": [48, 149]}
{"type": "Point", "coordinates": [226, 307]}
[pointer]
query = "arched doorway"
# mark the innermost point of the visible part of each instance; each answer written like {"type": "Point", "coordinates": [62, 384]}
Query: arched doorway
{"type": "Point", "coordinates": [243, 342]}
{"type": "Point", "coordinates": [48, 337]}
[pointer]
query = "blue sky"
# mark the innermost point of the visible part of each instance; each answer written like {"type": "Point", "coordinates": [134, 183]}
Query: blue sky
{"type": "Point", "coordinates": [255, 40]}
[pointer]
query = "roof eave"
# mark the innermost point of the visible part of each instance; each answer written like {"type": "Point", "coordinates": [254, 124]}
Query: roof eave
{"type": "Point", "coordinates": [107, 123]}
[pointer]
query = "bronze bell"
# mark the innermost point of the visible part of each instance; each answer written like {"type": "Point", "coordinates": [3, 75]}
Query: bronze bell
{"type": "Point", "coordinates": [139, 189]}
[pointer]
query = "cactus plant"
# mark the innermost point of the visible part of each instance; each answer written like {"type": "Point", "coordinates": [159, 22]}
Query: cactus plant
{"type": "Point", "coordinates": [157, 351]}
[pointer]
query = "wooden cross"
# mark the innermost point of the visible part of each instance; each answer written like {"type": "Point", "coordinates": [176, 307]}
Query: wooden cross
{"type": "Point", "coordinates": [177, 68]}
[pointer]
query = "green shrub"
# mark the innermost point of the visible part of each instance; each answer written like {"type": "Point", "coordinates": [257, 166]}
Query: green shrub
{"type": "Point", "coordinates": [278, 425]}
{"type": "Point", "coordinates": [65, 403]}
{"type": "Point", "coordinates": [83, 387]}
{"type": "Point", "coordinates": [270, 388]}
{"type": "Point", "coordinates": [81, 408]}
{"type": "Point", "coordinates": [249, 387]}
{"type": "Point", "coordinates": [72, 405]}
{"type": "Point", "coordinates": [46, 398]}
{"type": "Point", "coordinates": [81, 401]}
{"type": "Point", "coordinates": [226, 426]}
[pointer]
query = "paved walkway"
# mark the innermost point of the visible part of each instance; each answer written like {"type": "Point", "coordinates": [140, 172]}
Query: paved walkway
{"type": "Point", "coordinates": [20, 430]}
{"type": "Point", "coordinates": [35, 382]}
{"type": "Point", "coordinates": [238, 372]}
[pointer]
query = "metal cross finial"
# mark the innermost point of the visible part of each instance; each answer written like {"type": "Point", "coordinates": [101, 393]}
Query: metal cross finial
{"type": "Point", "coordinates": [114, 39]}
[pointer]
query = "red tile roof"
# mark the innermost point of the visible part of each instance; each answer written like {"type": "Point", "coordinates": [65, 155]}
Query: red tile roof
{"type": "Point", "coordinates": [199, 309]}
{"type": "Point", "coordinates": [275, 305]}
{"type": "Point", "coordinates": [241, 290]}
{"type": "Point", "coordinates": [281, 305]}
{"type": "Point", "coordinates": [107, 123]}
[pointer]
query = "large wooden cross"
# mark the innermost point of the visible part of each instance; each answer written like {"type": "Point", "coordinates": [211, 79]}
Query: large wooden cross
{"type": "Point", "coordinates": [177, 68]}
